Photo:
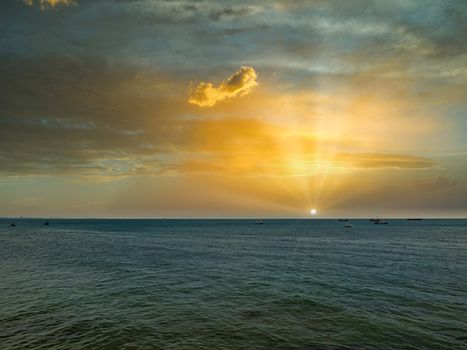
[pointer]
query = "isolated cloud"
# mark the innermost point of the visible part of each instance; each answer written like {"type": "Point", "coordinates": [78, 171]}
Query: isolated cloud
{"type": "Point", "coordinates": [239, 84]}
{"type": "Point", "coordinates": [52, 3]}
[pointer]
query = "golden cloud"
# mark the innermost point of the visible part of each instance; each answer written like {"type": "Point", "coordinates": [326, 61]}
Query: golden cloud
{"type": "Point", "coordinates": [51, 3]}
{"type": "Point", "coordinates": [239, 84]}
{"type": "Point", "coordinates": [248, 147]}
{"type": "Point", "coordinates": [379, 160]}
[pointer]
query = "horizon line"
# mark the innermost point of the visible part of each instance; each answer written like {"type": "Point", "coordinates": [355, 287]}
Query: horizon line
{"type": "Point", "coordinates": [235, 218]}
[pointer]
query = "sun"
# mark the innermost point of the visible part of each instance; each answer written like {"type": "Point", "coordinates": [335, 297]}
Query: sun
{"type": "Point", "coordinates": [313, 211]}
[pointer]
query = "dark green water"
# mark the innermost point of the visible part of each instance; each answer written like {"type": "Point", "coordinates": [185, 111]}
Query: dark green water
{"type": "Point", "coordinates": [229, 284]}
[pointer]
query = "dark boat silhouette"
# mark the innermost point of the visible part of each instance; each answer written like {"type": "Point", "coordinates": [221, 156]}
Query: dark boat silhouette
{"type": "Point", "coordinates": [380, 222]}
{"type": "Point", "coordinates": [12, 225]}
{"type": "Point", "coordinates": [343, 220]}
{"type": "Point", "coordinates": [46, 223]}
{"type": "Point", "coordinates": [414, 219]}
{"type": "Point", "coordinates": [259, 222]}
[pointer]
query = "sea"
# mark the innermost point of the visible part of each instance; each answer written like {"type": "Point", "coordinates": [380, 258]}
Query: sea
{"type": "Point", "coordinates": [233, 284]}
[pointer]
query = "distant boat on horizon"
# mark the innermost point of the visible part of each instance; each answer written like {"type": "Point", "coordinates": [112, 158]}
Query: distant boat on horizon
{"type": "Point", "coordinates": [13, 225]}
{"type": "Point", "coordinates": [343, 220]}
{"type": "Point", "coordinates": [414, 219]}
{"type": "Point", "coordinates": [46, 223]}
{"type": "Point", "coordinates": [348, 225]}
{"type": "Point", "coordinates": [380, 222]}
{"type": "Point", "coordinates": [259, 222]}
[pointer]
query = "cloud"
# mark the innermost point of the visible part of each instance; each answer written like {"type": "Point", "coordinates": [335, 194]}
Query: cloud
{"type": "Point", "coordinates": [229, 12]}
{"type": "Point", "coordinates": [81, 115]}
{"type": "Point", "coordinates": [84, 123]}
{"type": "Point", "coordinates": [378, 160]}
{"type": "Point", "coordinates": [435, 184]}
{"type": "Point", "coordinates": [239, 84]}
{"type": "Point", "coordinates": [49, 3]}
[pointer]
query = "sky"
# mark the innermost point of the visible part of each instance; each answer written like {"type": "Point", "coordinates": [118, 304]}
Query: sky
{"type": "Point", "coordinates": [260, 108]}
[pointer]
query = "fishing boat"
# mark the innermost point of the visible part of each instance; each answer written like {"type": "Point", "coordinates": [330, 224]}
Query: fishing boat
{"type": "Point", "coordinates": [380, 222]}
{"type": "Point", "coordinates": [348, 225]}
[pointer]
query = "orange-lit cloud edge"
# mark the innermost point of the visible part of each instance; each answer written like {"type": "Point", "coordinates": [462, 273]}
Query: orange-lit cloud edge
{"type": "Point", "coordinates": [43, 4]}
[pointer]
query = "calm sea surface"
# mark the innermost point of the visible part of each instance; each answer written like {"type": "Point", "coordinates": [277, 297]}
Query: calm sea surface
{"type": "Point", "coordinates": [230, 284]}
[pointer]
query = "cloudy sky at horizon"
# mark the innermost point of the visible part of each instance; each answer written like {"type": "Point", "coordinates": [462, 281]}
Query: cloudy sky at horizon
{"type": "Point", "coordinates": [145, 108]}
